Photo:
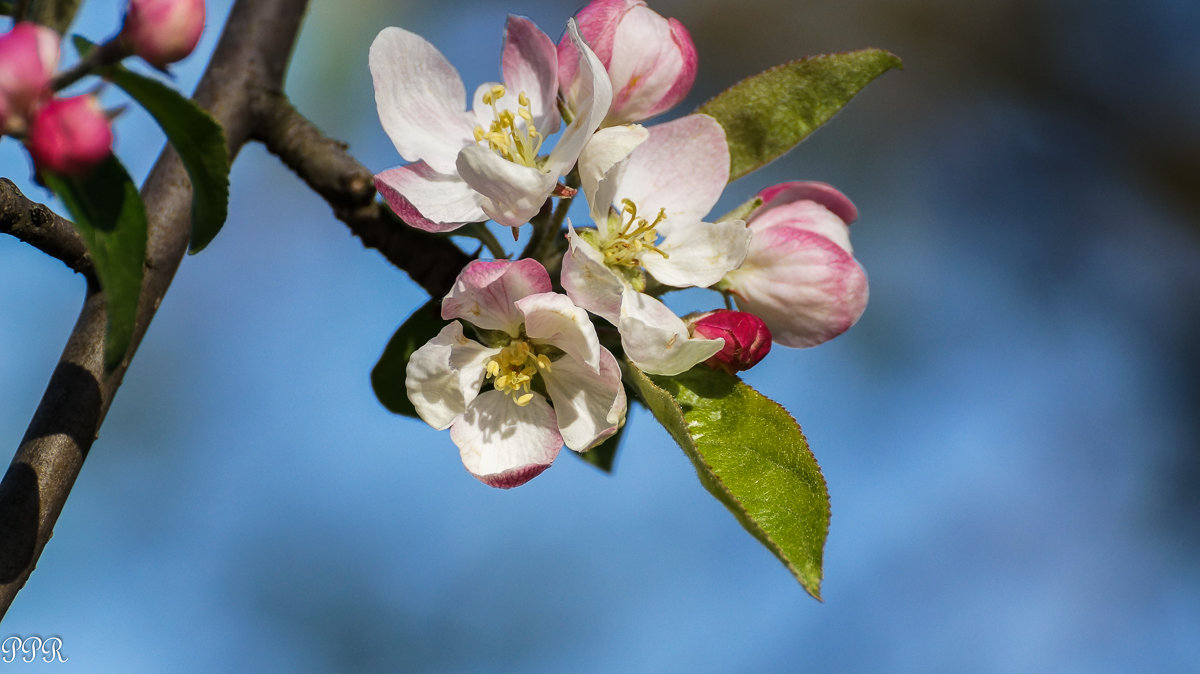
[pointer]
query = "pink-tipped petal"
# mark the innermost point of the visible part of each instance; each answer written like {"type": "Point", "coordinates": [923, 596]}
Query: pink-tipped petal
{"type": "Point", "coordinates": [530, 64]}
{"type": "Point", "coordinates": [822, 193]}
{"type": "Point", "coordinates": [429, 200]}
{"type": "Point", "coordinates": [683, 166]}
{"type": "Point", "coordinates": [652, 68]}
{"type": "Point", "coordinates": [594, 98]}
{"type": "Point", "coordinates": [506, 445]}
{"type": "Point", "coordinates": [486, 291]}
{"type": "Point", "coordinates": [590, 404]}
{"type": "Point", "coordinates": [70, 135]}
{"type": "Point", "coordinates": [162, 32]}
{"type": "Point", "coordinates": [28, 57]}
{"type": "Point", "coordinates": [551, 318]}
{"type": "Point", "coordinates": [806, 288]}
{"type": "Point", "coordinates": [420, 98]}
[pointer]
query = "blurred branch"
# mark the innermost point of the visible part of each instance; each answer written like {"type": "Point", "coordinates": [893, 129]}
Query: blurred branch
{"type": "Point", "coordinates": [251, 57]}
{"type": "Point", "coordinates": [42, 228]}
{"type": "Point", "coordinates": [325, 165]}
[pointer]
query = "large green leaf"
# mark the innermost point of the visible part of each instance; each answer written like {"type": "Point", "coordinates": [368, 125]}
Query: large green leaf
{"type": "Point", "coordinates": [769, 113]}
{"type": "Point", "coordinates": [194, 134]}
{"type": "Point", "coordinates": [110, 216]}
{"type": "Point", "coordinates": [751, 455]}
{"type": "Point", "coordinates": [387, 377]}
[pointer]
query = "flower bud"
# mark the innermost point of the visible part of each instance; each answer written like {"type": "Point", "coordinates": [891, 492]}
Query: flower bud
{"type": "Point", "coordinates": [747, 339]}
{"type": "Point", "coordinates": [650, 59]}
{"type": "Point", "coordinates": [163, 31]}
{"type": "Point", "coordinates": [69, 135]}
{"type": "Point", "coordinates": [28, 57]}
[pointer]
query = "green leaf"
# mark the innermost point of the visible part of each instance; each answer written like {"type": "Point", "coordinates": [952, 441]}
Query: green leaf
{"type": "Point", "coordinates": [752, 456]}
{"type": "Point", "coordinates": [194, 134]}
{"type": "Point", "coordinates": [387, 377]}
{"type": "Point", "coordinates": [769, 113]}
{"type": "Point", "coordinates": [110, 216]}
{"type": "Point", "coordinates": [57, 14]}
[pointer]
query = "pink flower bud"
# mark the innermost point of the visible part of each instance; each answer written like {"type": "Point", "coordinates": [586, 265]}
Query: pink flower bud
{"type": "Point", "coordinates": [163, 31]}
{"type": "Point", "coordinates": [28, 57]}
{"type": "Point", "coordinates": [747, 339]}
{"type": "Point", "coordinates": [69, 135]}
{"type": "Point", "coordinates": [650, 59]}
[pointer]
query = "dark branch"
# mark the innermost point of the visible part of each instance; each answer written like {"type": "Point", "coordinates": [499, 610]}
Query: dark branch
{"type": "Point", "coordinates": [250, 58]}
{"type": "Point", "coordinates": [42, 228]}
{"type": "Point", "coordinates": [325, 165]}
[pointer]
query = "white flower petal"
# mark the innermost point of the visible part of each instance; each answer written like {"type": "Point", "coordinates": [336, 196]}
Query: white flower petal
{"type": "Point", "coordinates": [594, 95]}
{"type": "Point", "coordinates": [554, 319]}
{"type": "Point", "coordinates": [683, 167]}
{"type": "Point", "coordinates": [656, 340]}
{"type": "Point", "coordinates": [428, 200]}
{"type": "Point", "coordinates": [588, 281]}
{"type": "Point", "coordinates": [590, 406]}
{"type": "Point", "coordinates": [515, 193]}
{"type": "Point", "coordinates": [504, 444]}
{"type": "Point", "coordinates": [602, 165]}
{"type": "Point", "coordinates": [530, 65]}
{"type": "Point", "coordinates": [485, 292]}
{"type": "Point", "coordinates": [420, 98]}
{"type": "Point", "coordinates": [699, 254]}
{"type": "Point", "coordinates": [445, 374]}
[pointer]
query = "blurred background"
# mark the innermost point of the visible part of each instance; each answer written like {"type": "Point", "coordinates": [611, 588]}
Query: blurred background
{"type": "Point", "coordinates": [1009, 434]}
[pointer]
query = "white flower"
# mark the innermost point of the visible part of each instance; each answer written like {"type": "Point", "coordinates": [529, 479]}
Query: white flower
{"type": "Point", "coordinates": [648, 191]}
{"type": "Point", "coordinates": [542, 381]}
{"type": "Point", "coordinates": [487, 163]}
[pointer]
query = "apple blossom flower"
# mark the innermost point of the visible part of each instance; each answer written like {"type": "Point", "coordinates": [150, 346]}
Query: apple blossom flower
{"type": "Point", "coordinates": [487, 163]}
{"type": "Point", "coordinates": [162, 32]}
{"type": "Point", "coordinates": [650, 59]}
{"type": "Point", "coordinates": [747, 339]}
{"type": "Point", "coordinates": [69, 135]}
{"type": "Point", "coordinates": [540, 379]}
{"type": "Point", "coordinates": [28, 57]}
{"type": "Point", "coordinates": [648, 206]}
{"type": "Point", "coordinates": [800, 275]}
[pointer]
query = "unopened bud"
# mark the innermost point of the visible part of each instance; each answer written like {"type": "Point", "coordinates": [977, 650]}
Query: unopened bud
{"type": "Point", "coordinates": [747, 339]}
{"type": "Point", "coordinates": [28, 57]}
{"type": "Point", "coordinates": [69, 135]}
{"type": "Point", "coordinates": [163, 31]}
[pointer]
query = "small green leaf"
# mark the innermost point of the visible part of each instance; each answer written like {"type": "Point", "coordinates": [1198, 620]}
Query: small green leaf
{"type": "Point", "coordinates": [57, 14]}
{"type": "Point", "coordinates": [194, 134]}
{"type": "Point", "coordinates": [751, 455]}
{"type": "Point", "coordinates": [769, 113]}
{"type": "Point", "coordinates": [387, 377]}
{"type": "Point", "coordinates": [110, 216]}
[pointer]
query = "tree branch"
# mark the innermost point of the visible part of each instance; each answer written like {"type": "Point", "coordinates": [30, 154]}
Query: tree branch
{"type": "Point", "coordinates": [326, 166]}
{"type": "Point", "coordinates": [42, 228]}
{"type": "Point", "coordinates": [251, 57]}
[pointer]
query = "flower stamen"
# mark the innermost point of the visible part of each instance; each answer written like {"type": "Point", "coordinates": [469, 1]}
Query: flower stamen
{"type": "Point", "coordinates": [512, 370]}
{"type": "Point", "coordinates": [635, 238]}
{"type": "Point", "coordinates": [516, 141]}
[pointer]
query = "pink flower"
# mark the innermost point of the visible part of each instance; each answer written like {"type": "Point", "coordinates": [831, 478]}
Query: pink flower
{"type": "Point", "coordinates": [800, 275]}
{"type": "Point", "coordinates": [540, 381]}
{"type": "Point", "coordinates": [650, 59]}
{"type": "Point", "coordinates": [163, 31]}
{"type": "Point", "coordinates": [28, 57]}
{"type": "Point", "coordinates": [747, 339]}
{"type": "Point", "coordinates": [69, 135]}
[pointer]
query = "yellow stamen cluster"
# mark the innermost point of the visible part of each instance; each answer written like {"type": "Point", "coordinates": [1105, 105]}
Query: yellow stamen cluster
{"type": "Point", "coordinates": [513, 368]}
{"type": "Point", "coordinates": [635, 238]}
{"type": "Point", "coordinates": [516, 141]}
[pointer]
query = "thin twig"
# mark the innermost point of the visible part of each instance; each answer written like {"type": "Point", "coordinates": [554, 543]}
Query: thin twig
{"type": "Point", "coordinates": [42, 228]}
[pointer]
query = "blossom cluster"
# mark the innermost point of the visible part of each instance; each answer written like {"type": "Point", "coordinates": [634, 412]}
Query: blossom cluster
{"type": "Point", "coordinates": [536, 377]}
{"type": "Point", "coordinates": [69, 135]}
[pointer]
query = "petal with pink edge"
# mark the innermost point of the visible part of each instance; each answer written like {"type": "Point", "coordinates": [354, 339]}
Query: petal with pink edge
{"type": "Point", "coordinates": [506, 445]}
{"type": "Point", "coordinates": [428, 200]}
{"type": "Point", "coordinates": [683, 166]}
{"type": "Point", "coordinates": [485, 293]}
{"type": "Point", "coordinates": [656, 340]}
{"type": "Point", "coordinates": [590, 406]}
{"type": "Point", "coordinates": [445, 374]}
{"type": "Point", "coordinates": [420, 98]}
{"type": "Point", "coordinates": [530, 65]}
{"type": "Point", "coordinates": [595, 95]}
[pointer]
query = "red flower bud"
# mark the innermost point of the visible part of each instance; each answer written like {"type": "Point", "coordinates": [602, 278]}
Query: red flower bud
{"type": "Point", "coordinates": [163, 31]}
{"type": "Point", "coordinates": [69, 135]}
{"type": "Point", "coordinates": [28, 57]}
{"type": "Point", "coordinates": [747, 339]}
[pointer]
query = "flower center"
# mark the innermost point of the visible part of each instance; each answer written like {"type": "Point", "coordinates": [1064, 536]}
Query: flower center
{"type": "Point", "coordinates": [512, 136]}
{"type": "Point", "coordinates": [635, 237]}
{"type": "Point", "coordinates": [513, 368]}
